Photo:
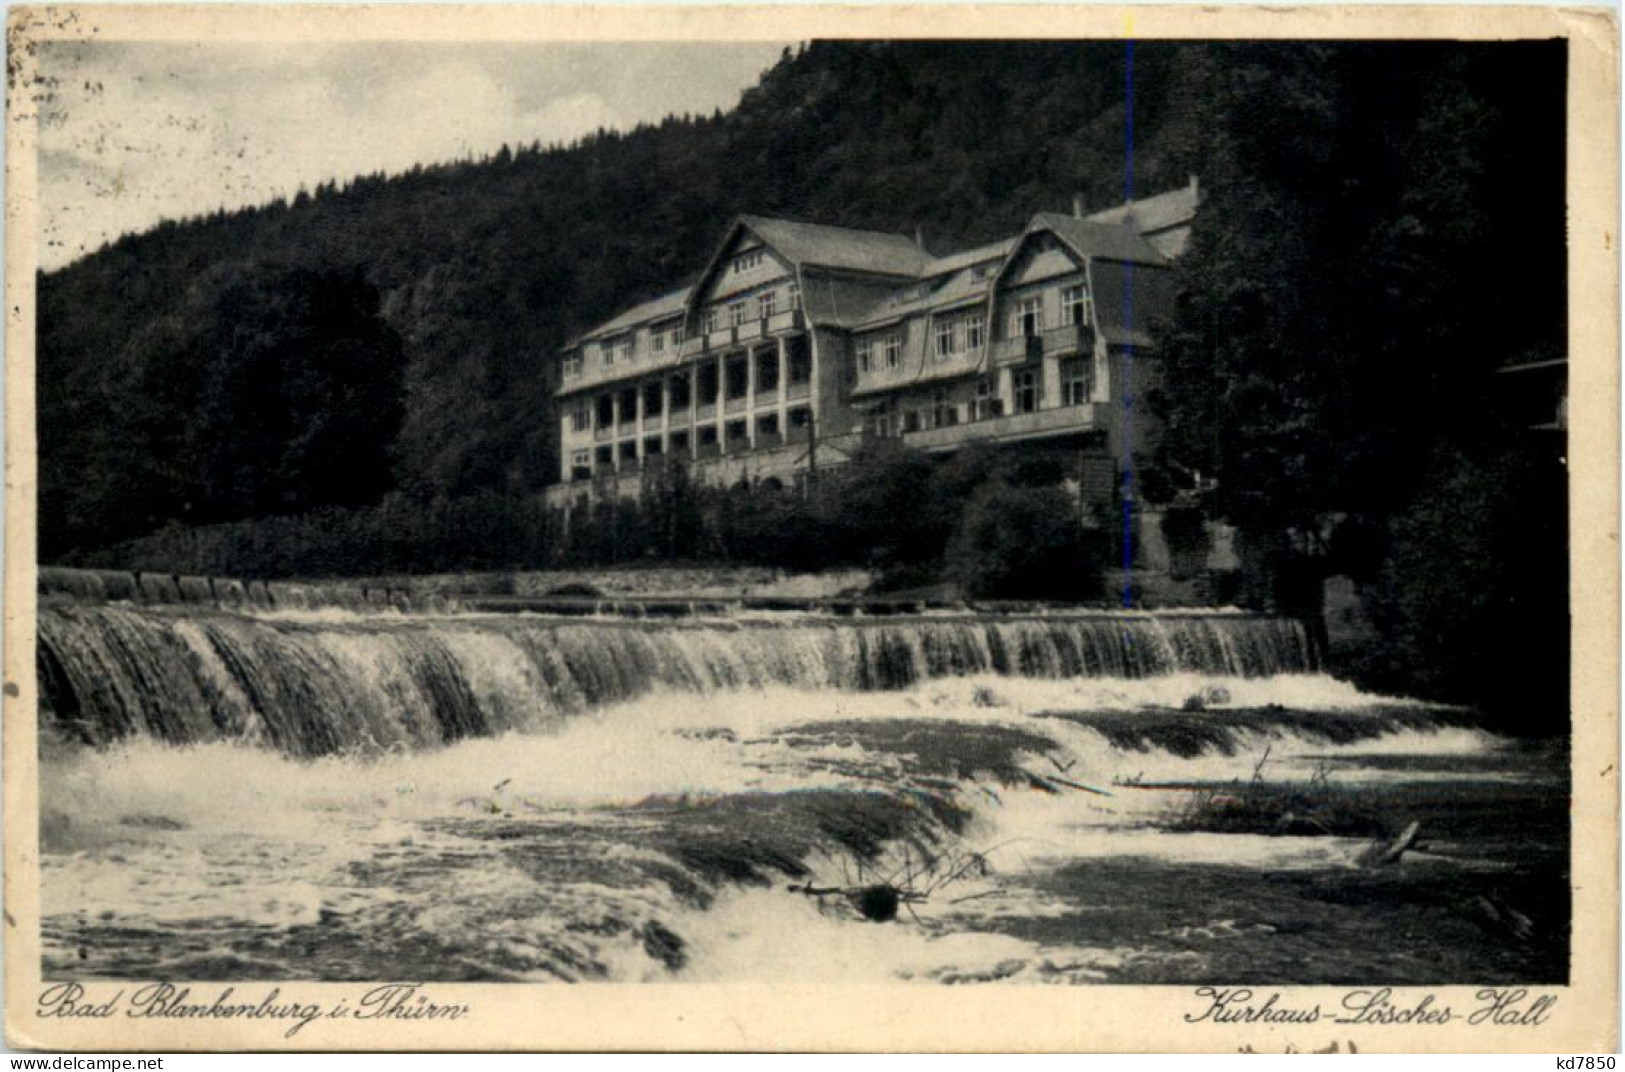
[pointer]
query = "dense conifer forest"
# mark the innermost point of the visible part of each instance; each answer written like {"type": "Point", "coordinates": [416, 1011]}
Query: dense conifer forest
{"type": "Point", "coordinates": [369, 366]}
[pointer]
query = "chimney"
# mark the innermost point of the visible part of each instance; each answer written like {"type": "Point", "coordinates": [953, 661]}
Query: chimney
{"type": "Point", "coordinates": [1195, 189]}
{"type": "Point", "coordinates": [1077, 206]}
{"type": "Point", "coordinates": [919, 237]}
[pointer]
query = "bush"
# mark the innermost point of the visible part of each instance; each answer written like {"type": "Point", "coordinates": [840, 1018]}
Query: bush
{"type": "Point", "coordinates": [483, 531]}
{"type": "Point", "coordinates": [1471, 599]}
{"type": "Point", "coordinates": [1022, 543]}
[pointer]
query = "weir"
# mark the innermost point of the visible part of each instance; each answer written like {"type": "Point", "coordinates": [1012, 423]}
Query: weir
{"type": "Point", "coordinates": [358, 684]}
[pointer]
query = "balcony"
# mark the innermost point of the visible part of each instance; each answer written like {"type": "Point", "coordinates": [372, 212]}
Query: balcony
{"type": "Point", "coordinates": [751, 329]}
{"type": "Point", "coordinates": [735, 405]}
{"type": "Point", "coordinates": [1069, 340]}
{"type": "Point", "coordinates": [692, 347]}
{"type": "Point", "coordinates": [1019, 350]}
{"type": "Point", "coordinates": [789, 320]}
{"type": "Point", "coordinates": [1044, 422]}
{"type": "Point", "coordinates": [705, 411]}
{"type": "Point", "coordinates": [798, 390]}
{"type": "Point", "coordinates": [720, 338]}
{"type": "Point", "coordinates": [767, 395]}
{"type": "Point", "coordinates": [603, 431]}
{"type": "Point", "coordinates": [651, 421]}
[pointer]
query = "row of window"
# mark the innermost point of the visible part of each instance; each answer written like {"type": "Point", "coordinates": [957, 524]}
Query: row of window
{"type": "Point", "coordinates": [883, 351]}
{"type": "Point", "coordinates": [736, 434]}
{"type": "Point", "coordinates": [952, 336]}
{"type": "Point", "coordinates": [746, 261]}
{"type": "Point", "coordinates": [956, 336]}
{"type": "Point", "coordinates": [967, 333]}
{"type": "Point", "coordinates": [741, 312]}
{"type": "Point", "coordinates": [1026, 391]}
{"type": "Point", "coordinates": [732, 381]}
{"type": "Point", "coordinates": [1027, 315]}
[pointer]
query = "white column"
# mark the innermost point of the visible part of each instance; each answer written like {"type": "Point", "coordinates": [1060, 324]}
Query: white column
{"type": "Point", "coordinates": [637, 424]}
{"type": "Point", "coordinates": [784, 388]}
{"type": "Point", "coordinates": [750, 397]}
{"type": "Point", "coordinates": [1052, 383]}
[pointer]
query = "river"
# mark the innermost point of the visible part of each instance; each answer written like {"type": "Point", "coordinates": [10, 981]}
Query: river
{"type": "Point", "coordinates": [1049, 797]}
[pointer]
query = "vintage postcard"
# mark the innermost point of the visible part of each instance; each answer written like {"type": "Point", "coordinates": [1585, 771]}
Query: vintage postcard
{"type": "Point", "coordinates": [1039, 528]}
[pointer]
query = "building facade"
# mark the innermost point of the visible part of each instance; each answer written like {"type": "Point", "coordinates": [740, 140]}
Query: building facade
{"type": "Point", "coordinates": [800, 341]}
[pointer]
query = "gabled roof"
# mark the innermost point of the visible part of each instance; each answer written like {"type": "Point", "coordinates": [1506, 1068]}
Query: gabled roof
{"type": "Point", "coordinates": [960, 289]}
{"type": "Point", "coordinates": [953, 262]}
{"type": "Point", "coordinates": [654, 309]}
{"type": "Point", "coordinates": [1088, 238]}
{"type": "Point", "coordinates": [1128, 306]}
{"type": "Point", "coordinates": [840, 247]}
{"type": "Point", "coordinates": [1115, 234]}
{"type": "Point", "coordinates": [1157, 213]}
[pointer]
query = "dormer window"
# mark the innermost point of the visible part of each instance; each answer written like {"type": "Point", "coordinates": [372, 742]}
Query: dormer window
{"type": "Point", "coordinates": [911, 294]}
{"type": "Point", "coordinates": [1075, 306]}
{"type": "Point", "coordinates": [1028, 317]}
{"type": "Point", "coordinates": [975, 331]}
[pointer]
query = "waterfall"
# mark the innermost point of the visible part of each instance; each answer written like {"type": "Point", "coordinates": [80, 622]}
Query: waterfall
{"type": "Point", "coordinates": [351, 683]}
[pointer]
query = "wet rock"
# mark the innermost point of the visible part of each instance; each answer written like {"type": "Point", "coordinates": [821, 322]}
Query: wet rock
{"type": "Point", "coordinates": [1211, 696]}
{"type": "Point", "coordinates": [665, 945]}
{"type": "Point", "coordinates": [151, 822]}
{"type": "Point", "coordinates": [877, 903]}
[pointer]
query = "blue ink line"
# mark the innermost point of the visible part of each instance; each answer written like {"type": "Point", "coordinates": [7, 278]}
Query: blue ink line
{"type": "Point", "coordinates": [1127, 445]}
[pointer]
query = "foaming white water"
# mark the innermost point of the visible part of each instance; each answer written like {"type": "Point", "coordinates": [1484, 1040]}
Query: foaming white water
{"type": "Point", "coordinates": [698, 745]}
{"type": "Point", "coordinates": [521, 852]}
{"type": "Point", "coordinates": [755, 928]}
{"type": "Point", "coordinates": [342, 682]}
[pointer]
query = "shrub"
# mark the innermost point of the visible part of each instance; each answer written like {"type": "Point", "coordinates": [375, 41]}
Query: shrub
{"type": "Point", "coordinates": [1022, 543]}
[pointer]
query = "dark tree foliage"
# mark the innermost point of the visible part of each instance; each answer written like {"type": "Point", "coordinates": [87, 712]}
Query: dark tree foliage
{"type": "Point", "coordinates": [300, 396]}
{"type": "Point", "coordinates": [1473, 591]}
{"type": "Point", "coordinates": [1384, 231]}
{"type": "Point", "coordinates": [1023, 543]}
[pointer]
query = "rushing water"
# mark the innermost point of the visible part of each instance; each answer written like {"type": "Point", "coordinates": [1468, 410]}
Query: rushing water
{"type": "Point", "coordinates": [249, 794]}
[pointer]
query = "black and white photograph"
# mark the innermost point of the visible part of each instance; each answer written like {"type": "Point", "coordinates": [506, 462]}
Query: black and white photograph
{"type": "Point", "coordinates": [942, 510]}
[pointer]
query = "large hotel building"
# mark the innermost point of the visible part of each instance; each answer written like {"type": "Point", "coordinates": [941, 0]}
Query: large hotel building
{"type": "Point", "coordinates": [798, 341]}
